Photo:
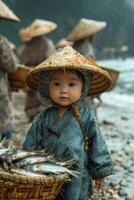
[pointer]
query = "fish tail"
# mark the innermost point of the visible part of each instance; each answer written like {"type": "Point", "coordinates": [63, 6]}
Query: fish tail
{"type": "Point", "coordinates": [73, 173]}
{"type": "Point", "coordinates": [69, 163]}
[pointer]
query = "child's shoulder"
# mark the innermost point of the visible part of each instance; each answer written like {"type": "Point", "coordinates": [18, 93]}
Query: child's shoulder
{"type": "Point", "coordinates": [40, 117]}
{"type": "Point", "coordinates": [49, 109]}
{"type": "Point", "coordinates": [46, 111]}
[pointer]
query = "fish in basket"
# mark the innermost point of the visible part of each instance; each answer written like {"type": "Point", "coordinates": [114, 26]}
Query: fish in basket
{"type": "Point", "coordinates": [32, 175]}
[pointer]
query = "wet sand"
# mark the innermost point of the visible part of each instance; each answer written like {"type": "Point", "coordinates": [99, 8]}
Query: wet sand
{"type": "Point", "coordinates": [119, 138]}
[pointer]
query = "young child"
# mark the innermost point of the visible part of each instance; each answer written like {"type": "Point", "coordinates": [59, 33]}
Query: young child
{"type": "Point", "coordinates": [65, 79]}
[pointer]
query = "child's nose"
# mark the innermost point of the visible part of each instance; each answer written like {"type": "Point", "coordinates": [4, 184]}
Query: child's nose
{"type": "Point", "coordinates": [64, 89]}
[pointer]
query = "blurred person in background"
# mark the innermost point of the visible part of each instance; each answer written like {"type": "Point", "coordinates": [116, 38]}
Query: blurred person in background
{"type": "Point", "coordinates": [37, 48]}
{"type": "Point", "coordinates": [7, 65]}
{"type": "Point", "coordinates": [83, 34]}
{"type": "Point", "coordinates": [81, 38]}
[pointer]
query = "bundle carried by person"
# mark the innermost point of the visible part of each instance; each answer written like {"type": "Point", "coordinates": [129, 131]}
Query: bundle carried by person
{"type": "Point", "coordinates": [17, 78]}
{"type": "Point", "coordinates": [32, 175]}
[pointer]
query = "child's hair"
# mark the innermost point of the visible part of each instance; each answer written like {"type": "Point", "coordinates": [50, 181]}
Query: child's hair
{"type": "Point", "coordinates": [74, 71]}
{"type": "Point", "coordinates": [76, 114]}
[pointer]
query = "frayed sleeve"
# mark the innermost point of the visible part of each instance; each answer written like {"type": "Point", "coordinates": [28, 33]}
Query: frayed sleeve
{"type": "Point", "coordinates": [100, 163]}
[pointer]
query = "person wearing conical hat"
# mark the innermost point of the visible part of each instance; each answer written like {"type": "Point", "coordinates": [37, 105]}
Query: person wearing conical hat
{"type": "Point", "coordinates": [83, 33]}
{"type": "Point", "coordinates": [68, 128]}
{"type": "Point", "coordinates": [37, 48]}
{"type": "Point", "coordinates": [7, 65]}
{"type": "Point", "coordinates": [82, 37]}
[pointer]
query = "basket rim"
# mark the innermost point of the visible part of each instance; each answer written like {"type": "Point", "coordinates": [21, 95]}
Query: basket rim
{"type": "Point", "coordinates": [17, 178]}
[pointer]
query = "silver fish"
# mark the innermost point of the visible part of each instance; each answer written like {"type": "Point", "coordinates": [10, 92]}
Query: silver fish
{"type": "Point", "coordinates": [67, 163]}
{"type": "Point", "coordinates": [1, 169]}
{"type": "Point", "coordinates": [5, 166]}
{"type": "Point", "coordinates": [25, 173]}
{"type": "Point", "coordinates": [3, 152]}
{"type": "Point", "coordinates": [20, 154]}
{"type": "Point", "coordinates": [8, 150]}
{"type": "Point", "coordinates": [32, 160]}
{"type": "Point", "coordinates": [48, 168]}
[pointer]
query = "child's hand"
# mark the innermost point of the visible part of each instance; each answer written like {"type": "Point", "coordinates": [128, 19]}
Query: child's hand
{"type": "Point", "coordinates": [99, 183]}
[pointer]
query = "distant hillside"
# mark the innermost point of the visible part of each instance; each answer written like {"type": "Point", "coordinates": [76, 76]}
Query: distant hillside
{"type": "Point", "coordinates": [118, 14]}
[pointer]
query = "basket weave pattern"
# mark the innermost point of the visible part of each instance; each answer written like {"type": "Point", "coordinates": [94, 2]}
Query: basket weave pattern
{"type": "Point", "coordinates": [13, 187]}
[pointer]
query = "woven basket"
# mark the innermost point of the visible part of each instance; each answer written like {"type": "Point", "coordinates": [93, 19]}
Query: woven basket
{"type": "Point", "coordinates": [17, 78]}
{"type": "Point", "coordinates": [13, 187]}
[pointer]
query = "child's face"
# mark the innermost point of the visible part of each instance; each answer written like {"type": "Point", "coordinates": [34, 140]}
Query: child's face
{"type": "Point", "coordinates": [65, 87]}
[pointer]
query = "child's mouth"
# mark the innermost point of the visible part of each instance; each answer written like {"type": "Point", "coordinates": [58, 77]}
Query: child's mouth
{"type": "Point", "coordinates": [63, 98]}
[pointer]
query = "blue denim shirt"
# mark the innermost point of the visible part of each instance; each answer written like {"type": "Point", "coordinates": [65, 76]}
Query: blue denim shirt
{"type": "Point", "coordinates": [65, 134]}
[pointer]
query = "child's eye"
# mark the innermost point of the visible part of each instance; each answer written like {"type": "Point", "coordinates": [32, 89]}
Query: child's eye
{"type": "Point", "coordinates": [72, 84]}
{"type": "Point", "coordinates": [56, 84]}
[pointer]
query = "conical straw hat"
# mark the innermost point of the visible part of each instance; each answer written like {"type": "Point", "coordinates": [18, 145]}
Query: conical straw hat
{"type": "Point", "coordinates": [6, 13]}
{"type": "Point", "coordinates": [37, 28]}
{"type": "Point", "coordinates": [85, 28]}
{"type": "Point", "coordinates": [68, 58]}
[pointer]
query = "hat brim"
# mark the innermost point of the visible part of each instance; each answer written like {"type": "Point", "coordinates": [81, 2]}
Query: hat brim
{"type": "Point", "coordinates": [10, 19]}
{"type": "Point", "coordinates": [114, 74]}
{"type": "Point", "coordinates": [100, 81]}
{"type": "Point", "coordinates": [69, 58]}
{"type": "Point", "coordinates": [37, 28]}
{"type": "Point", "coordinates": [6, 13]}
{"type": "Point", "coordinates": [85, 28]}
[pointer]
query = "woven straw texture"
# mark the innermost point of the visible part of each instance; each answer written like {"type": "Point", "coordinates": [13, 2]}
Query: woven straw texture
{"type": "Point", "coordinates": [13, 187]}
{"type": "Point", "coordinates": [68, 58]}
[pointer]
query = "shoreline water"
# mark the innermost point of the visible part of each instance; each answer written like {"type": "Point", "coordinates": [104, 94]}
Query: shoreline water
{"type": "Point", "coordinates": [116, 116]}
